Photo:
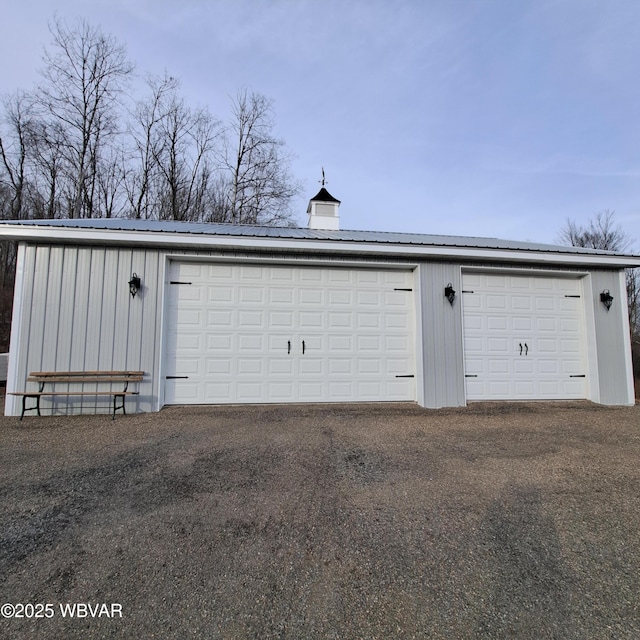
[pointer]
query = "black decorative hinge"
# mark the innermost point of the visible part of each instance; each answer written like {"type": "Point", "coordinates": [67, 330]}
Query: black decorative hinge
{"type": "Point", "coordinates": [176, 282]}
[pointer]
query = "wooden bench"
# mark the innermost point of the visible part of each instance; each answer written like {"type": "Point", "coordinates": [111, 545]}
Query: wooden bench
{"type": "Point", "coordinates": [53, 378]}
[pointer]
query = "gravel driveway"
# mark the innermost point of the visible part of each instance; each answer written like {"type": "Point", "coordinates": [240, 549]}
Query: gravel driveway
{"type": "Point", "coordinates": [317, 521]}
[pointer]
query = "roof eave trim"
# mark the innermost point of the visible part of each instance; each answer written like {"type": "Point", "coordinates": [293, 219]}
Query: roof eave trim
{"type": "Point", "coordinates": [200, 241]}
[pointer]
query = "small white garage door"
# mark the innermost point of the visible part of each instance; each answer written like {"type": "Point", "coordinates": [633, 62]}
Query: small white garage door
{"type": "Point", "coordinates": [524, 337]}
{"type": "Point", "coordinates": [253, 334]}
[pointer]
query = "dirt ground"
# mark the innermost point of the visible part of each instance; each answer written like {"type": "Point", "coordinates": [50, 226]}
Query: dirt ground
{"type": "Point", "coordinates": [329, 522]}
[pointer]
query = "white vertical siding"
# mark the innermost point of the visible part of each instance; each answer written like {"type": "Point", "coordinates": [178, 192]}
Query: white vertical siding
{"type": "Point", "coordinates": [613, 342]}
{"type": "Point", "coordinates": [442, 349]}
{"type": "Point", "coordinates": [76, 313]}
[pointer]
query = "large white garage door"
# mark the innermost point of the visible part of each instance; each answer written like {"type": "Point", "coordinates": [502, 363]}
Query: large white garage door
{"type": "Point", "coordinates": [524, 337]}
{"type": "Point", "coordinates": [251, 333]}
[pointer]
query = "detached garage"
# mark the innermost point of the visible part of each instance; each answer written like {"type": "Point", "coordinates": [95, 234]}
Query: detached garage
{"type": "Point", "coordinates": [216, 313]}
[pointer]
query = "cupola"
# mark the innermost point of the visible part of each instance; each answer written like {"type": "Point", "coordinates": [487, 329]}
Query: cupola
{"type": "Point", "coordinates": [323, 210]}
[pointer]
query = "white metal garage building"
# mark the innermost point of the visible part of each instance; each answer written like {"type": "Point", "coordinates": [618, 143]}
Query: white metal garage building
{"type": "Point", "coordinates": [242, 314]}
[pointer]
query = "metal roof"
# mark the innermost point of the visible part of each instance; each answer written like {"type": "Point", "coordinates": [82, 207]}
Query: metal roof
{"type": "Point", "coordinates": [209, 231]}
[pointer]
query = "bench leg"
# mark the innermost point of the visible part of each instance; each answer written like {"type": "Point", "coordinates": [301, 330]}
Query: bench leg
{"type": "Point", "coordinates": [121, 406]}
{"type": "Point", "coordinates": [35, 407]}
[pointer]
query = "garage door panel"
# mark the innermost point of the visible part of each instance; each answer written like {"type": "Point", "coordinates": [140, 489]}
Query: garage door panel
{"type": "Point", "coordinates": [251, 319]}
{"type": "Point", "coordinates": [280, 366]}
{"type": "Point", "coordinates": [186, 366]}
{"type": "Point", "coordinates": [341, 389]}
{"type": "Point", "coordinates": [309, 366]}
{"type": "Point", "coordinates": [216, 366]}
{"type": "Point", "coordinates": [250, 342]}
{"type": "Point", "coordinates": [219, 319]}
{"type": "Point", "coordinates": [398, 366]}
{"type": "Point", "coordinates": [369, 390]}
{"type": "Point", "coordinates": [524, 389]}
{"type": "Point", "coordinates": [279, 320]}
{"type": "Point", "coordinates": [219, 341]}
{"type": "Point", "coordinates": [394, 298]}
{"type": "Point", "coordinates": [344, 343]}
{"type": "Point", "coordinates": [217, 294]}
{"type": "Point", "coordinates": [395, 343]}
{"type": "Point", "coordinates": [493, 323]}
{"type": "Point", "coordinates": [520, 303]}
{"type": "Point", "coordinates": [494, 301]}
{"type": "Point", "coordinates": [523, 366]}
{"type": "Point", "coordinates": [572, 367]}
{"type": "Point", "coordinates": [193, 294]}
{"type": "Point", "coordinates": [250, 295]}
{"type": "Point", "coordinates": [251, 366]}
{"type": "Point", "coordinates": [314, 391]}
{"type": "Point", "coordinates": [499, 345]}
{"type": "Point", "coordinates": [281, 391]}
{"type": "Point", "coordinates": [369, 298]}
{"type": "Point", "coordinates": [499, 365]}
{"type": "Point", "coordinates": [540, 348]}
{"type": "Point", "coordinates": [190, 269]}
{"type": "Point", "coordinates": [367, 321]}
{"type": "Point", "coordinates": [369, 343]}
{"type": "Point", "coordinates": [189, 391]}
{"type": "Point", "coordinates": [282, 275]}
{"type": "Point", "coordinates": [254, 320]}
{"type": "Point", "coordinates": [189, 317]}
{"type": "Point", "coordinates": [280, 297]}
{"type": "Point", "coordinates": [369, 366]}
{"type": "Point", "coordinates": [543, 325]}
{"type": "Point", "coordinates": [189, 342]}
{"type": "Point", "coordinates": [312, 297]}
{"type": "Point", "coordinates": [340, 298]}
{"type": "Point", "coordinates": [499, 388]}
{"type": "Point", "coordinates": [341, 276]}
{"type": "Point", "coordinates": [248, 274]}
{"type": "Point", "coordinates": [399, 389]}
{"type": "Point", "coordinates": [250, 391]}
{"type": "Point", "coordinates": [569, 302]}
{"type": "Point", "coordinates": [550, 367]}
{"type": "Point", "coordinates": [337, 366]}
{"type": "Point", "coordinates": [316, 320]}
{"type": "Point", "coordinates": [277, 343]}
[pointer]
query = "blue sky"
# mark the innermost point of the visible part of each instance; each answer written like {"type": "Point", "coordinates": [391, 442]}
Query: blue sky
{"type": "Point", "coordinates": [464, 117]}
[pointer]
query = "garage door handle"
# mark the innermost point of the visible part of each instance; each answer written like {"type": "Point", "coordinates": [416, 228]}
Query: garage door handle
{"type": "Point", "coordinates": [520, 348]}
{"type": "Point", "coordinates": [303, 347]}
{"type": "Point", "coordinates": [288, 346]}
{"type": "Point", "coordinates": [526, 349]}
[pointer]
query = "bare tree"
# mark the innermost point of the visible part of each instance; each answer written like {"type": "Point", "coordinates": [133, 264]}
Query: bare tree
{"type": "Point", "coordinates": [144, 135]}
{"type": "Point", "coordinates": [260, 186]}
{"type": "Point", "coordinates": [601, 232]}
{"type": "Point", "coordinates": [187, 137]}
{"type": "Point", "coordinates": [15, 148]}
{"type": "Point", "coordinates": [48, 170]}
{"type": "Point", "coordinates": [83, 78]}
{"type": "Point", "coordinates": [172, 151]}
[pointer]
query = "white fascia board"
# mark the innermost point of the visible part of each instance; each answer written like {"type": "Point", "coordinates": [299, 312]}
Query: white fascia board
{"type": "Point", "coordinates": [201, 241]}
